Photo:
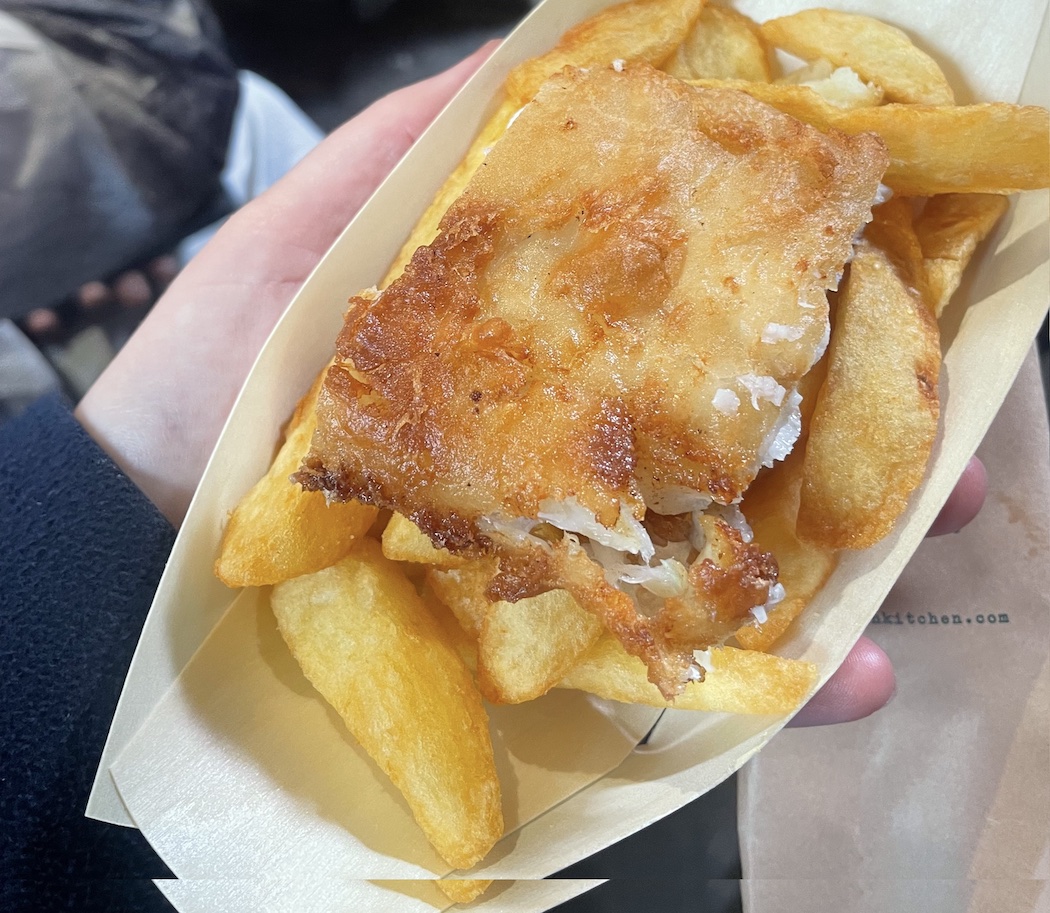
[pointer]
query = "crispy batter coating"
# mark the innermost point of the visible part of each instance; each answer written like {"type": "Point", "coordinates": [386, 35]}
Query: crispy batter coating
{"type": "Point", "coordinates": [632, 251]}
{"type": "Point", "coordinates": [729, 579]}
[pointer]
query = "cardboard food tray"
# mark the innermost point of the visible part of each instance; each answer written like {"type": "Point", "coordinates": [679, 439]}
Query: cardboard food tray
{"type": "Point", "coordinates": [248, 785]}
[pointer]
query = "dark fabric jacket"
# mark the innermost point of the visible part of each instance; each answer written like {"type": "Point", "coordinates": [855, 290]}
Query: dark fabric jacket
{"type": "Point", "coordinates": [81, 551]}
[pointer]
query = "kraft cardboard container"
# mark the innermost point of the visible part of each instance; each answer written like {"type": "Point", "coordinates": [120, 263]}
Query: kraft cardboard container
{"type": "Point", "coordinates": [248, 785]}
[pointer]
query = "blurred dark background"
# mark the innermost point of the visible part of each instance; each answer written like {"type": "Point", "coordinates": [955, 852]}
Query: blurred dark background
{"type": "Point", "coordinates": [334, 57]}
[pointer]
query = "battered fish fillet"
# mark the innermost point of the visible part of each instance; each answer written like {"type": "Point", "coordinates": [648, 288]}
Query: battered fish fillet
{"type": "Point", "coordinates": [591, 362]}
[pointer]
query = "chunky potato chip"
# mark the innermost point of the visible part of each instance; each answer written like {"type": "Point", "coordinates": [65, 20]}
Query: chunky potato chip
{"type": "Point", "coordinates": [278, 531]}
{"type": "Point", "coordinates": [876, 51]}
{"type": "Point", "coordinates": [892, 230]}
{"type": "Point", "coordinates": [464, 642]}
{"type": "Point", "coordinates": [463, 890]}
{"type": "Point", "coordinates": [736, 681]}
{"type": "Point", "coordinates": [986, 148]}
{"type": "Point", "coordinates": [949, 230]}
{"type": "Point", "coordinates": [876, 416]}
{"type": "Point", "coordinates": [525, 647]}
{"type": "Point", "coordinates": [404, 541]}
{"type": "Point", "coordinates": [462, 590]}
{"type": "Point", "coordinates": [723, 44]}
{"type": "Point", "coordinates": [646, 30]}
{"type": "Point", "coordinates": [366, 642]}
{"type": "Point", "coordinates": [771, 508]}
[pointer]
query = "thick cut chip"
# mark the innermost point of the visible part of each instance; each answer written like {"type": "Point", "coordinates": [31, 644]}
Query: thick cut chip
{"type": "Point", "coordinates": [643, 31]}
{"type": "Point", "coordinates": [985, 148]}
{"type": "Point", "coordinates": [367, 643]}
{"type": "Point", "coordinates": [771, 507]}
{"type": "Point", "coordinates": [278, 531]}
{"type": "Point", "coordinates": [735, 681]}
{"type": "Point", "coordinates": [723, 44]}
{"type": "Point", "coordinates": [614, 316]}
{"type": "Point", "coordinates": [525, 647]}
{"type": "Point", "coordinates": [464, 642]}
{"type": "Point", "coordinates": [876, 51]}
{"type": "Point", "coordinates": [892, 231]}
{"type": "Point", "coordinates": [949, 230]}
{"type": "Point", "coordinates": [463, 890]}
{"type": "Point", "coordinates": [404, 541]}
{"type": "Point", "coordinates": [876, 417]}
{"type": "Point", "coordinates": [463, 590]}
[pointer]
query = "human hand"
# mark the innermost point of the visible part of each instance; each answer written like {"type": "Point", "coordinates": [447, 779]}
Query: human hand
{"type": "Point", "coordinates": [159, 407]}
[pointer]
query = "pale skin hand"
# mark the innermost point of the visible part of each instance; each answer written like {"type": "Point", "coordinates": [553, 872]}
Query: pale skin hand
{"type": "Point", "coordinates": [159, 407]}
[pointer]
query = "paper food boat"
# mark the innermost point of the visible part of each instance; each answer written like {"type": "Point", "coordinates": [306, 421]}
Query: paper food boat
{"type": "Point", "coordinates": [248, 785]}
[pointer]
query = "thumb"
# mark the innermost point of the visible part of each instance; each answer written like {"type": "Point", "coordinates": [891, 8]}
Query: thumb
{"type": "Point", "coordinates": [861, 685]}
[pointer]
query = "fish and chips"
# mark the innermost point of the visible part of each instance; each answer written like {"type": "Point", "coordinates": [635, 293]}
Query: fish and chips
{"type": "Point", "coordinates": [664, 344]}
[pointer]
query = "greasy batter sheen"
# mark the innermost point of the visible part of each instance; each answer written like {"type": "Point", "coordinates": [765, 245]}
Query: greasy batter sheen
{"type": "Point", "coordinates": [616, 310]}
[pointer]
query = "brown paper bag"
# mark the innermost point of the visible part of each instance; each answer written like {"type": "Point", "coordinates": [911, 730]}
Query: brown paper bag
{"type": "Point", "coordinates": [941, 801]}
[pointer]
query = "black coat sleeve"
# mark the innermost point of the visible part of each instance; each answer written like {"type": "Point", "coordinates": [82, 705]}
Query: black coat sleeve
{"type": "Point", "coordinates": [81, 551]}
